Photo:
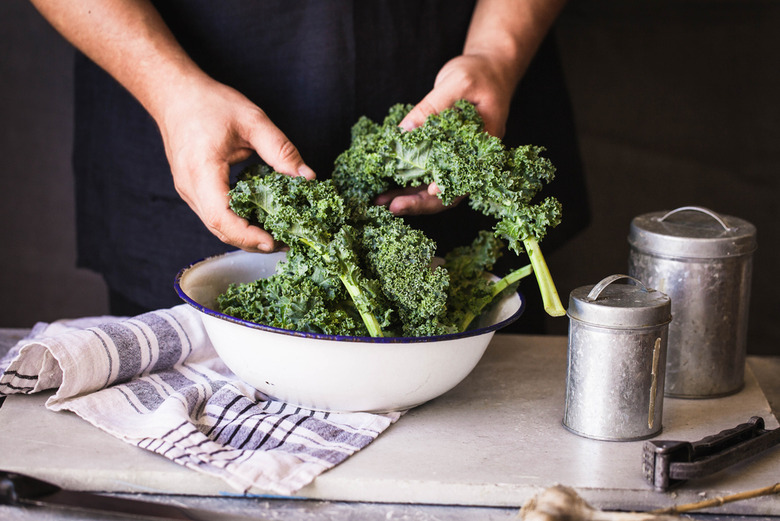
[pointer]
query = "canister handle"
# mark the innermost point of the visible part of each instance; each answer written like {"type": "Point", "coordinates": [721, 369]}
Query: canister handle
{"type": "Point", "coordinates": [598, 288]}
{"type": "Point", "coordinates": [698, 209]}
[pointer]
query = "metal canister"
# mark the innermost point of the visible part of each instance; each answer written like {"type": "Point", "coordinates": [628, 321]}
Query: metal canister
{"type": "Point", "coordinates": [704, 262]}
{"type": "Point", "coordinates": [616, 358]}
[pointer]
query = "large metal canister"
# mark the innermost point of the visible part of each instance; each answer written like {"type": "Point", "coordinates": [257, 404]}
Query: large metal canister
{"type": "Point", "coordinates": [616, 358]}
{"type": "Point", "coordinates": [704, 262]}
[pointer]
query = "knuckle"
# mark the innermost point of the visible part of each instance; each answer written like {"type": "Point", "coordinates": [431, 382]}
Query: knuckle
{"type": "Point", "coordinates": [255, 116]}
{"type": "Point", "coordinates": [214, 224]}
{"type": "Point", "coordinates": [425, 108]}
{"type": "Point", "coordinates": [287, 151]}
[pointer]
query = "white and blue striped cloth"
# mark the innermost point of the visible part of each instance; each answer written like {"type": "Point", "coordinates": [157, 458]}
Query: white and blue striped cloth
{"type": "Point", "coordinates": [156, 382]}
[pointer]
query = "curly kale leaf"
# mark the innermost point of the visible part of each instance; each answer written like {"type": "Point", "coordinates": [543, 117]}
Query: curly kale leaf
{"type": "Point", "coordinates": [364, 163]}
{"type": "Point", "coordinates": [401, 259]}
{"type": "Point", "coordinates": [292, 209]}
{"type": "Point", "coordinates": [311, 216]}
{"type": "Point", "coordinates": [299, 296]}
{"type": "Point", "coordinates": [471, 291]}
{"type": "Point", "coordinates": [339, 253]}
{"type": "Point", "coordinates": [452, 150]}
{"type": "Point", "coordinates": [354, 268]}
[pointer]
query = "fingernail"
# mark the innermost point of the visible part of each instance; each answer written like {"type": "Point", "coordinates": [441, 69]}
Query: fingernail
{"type": "Point", "coordinates": [398, 209]}
{"type": "Point", "coordinates": [306, 172]}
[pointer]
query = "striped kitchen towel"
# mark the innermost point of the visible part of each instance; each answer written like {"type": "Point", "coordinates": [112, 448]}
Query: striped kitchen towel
{"type": "Point", "coordinates": [155, 381]}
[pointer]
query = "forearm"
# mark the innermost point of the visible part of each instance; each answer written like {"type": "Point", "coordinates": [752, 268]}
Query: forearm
{"type": "Point", "coordinates": [509, 32]}
{"type": "Point", "coordinates": [129, 40]}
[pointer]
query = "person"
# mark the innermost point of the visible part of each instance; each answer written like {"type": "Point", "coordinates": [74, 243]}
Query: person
{"type": "Point", "coordinates": [173, 97]}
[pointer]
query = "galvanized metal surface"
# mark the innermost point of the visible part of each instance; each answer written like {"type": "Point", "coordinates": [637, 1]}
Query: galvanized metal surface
{"type": "Point", "coordinates": [692, 232]}
{"type": "Point", "coordinates": [705, 266]}
{"type": "Point", "coordinates": [611, 305]}
{"type": "Point", "coordinates": [616, 361]}
{"type": "Point", "coordinates": [615, 382]}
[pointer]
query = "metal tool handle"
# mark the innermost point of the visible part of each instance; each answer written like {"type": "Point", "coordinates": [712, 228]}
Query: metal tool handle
{"type": "Point", "coordinates": [668, 463]}
{"type": "Point", "coordinates": [15, 487]}
{"type": "Point", "coordinates": [701, 209]}
{"type": "Point", "coordinates": [717, 442]}
{"type": "Point", "coordinates": [601, 286]}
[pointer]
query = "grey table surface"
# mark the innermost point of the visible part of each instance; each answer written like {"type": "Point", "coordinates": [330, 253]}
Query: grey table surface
{"type": "Point", "coordinates": [765, 369]}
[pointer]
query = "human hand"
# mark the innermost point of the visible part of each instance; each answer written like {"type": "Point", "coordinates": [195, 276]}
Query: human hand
{"type": "Point", "coordinates": [206, 126]}
{"type": "Point", "coordinates": [479, 79]}
{"type": "Point", "coordinates": [206, 129]}
{"type": "Point", "coordinates": [475, 78]}
{"type": "Point", "coordinates": [413, 200]}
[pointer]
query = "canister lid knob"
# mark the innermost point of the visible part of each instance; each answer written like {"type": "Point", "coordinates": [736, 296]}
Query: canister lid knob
{"type": "Point", "coordinates": [613, 305]}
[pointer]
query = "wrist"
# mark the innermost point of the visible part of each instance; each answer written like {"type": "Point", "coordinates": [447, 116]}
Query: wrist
{"type": "Point", "coordinates": [506, 67]}
{"type": "Point", "coordinates": [167, 86]}
{"type": "Point", "coordinates": [507, 34]}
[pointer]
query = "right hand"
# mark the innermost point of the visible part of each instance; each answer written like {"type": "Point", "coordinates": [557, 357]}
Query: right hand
{"type": "Point", "coordinates": [206, 128]}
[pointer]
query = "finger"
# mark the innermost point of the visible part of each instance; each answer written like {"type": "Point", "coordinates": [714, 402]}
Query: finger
{"type": "Point", "coordinates": [387, 197]}
{"type": "Point", "coordinates": [273, 147]}
{"type": "Point", "coordinates": [494, 120]}
{"type": "Point", "coordinates": [212, 205]}
{"type": "Point", "coordinates": [433, 103]}
{"type": "Point", "coordinates": [416, 204]}
{"type": "Point", "coordinates": [238, 232]}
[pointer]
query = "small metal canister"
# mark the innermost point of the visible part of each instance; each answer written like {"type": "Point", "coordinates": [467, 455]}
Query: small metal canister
{"type": "Point", "coordinates": [704, 262]}
{"type": "Point", "coordinates": [617, 354]}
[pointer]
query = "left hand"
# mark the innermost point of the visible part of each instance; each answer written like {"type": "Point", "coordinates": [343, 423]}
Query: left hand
{"type": "Point", "coordinates": [503, 37]}
{"type": "Point", "coordinates": [475, 78]}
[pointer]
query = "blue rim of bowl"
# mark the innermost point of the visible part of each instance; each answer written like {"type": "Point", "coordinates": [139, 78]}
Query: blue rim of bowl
{"type": "Point", "coordinates": [340, 338]}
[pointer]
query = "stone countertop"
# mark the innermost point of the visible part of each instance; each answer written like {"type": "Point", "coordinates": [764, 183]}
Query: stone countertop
{"type": "Point", "coordinates": [765, 370]}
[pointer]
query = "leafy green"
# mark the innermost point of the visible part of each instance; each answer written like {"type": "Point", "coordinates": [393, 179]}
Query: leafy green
{"type": "Point", "coordinates": [401, 259]}
{"type": "Point", "coordinates": [452, 150]}
{"type": "Point", "coordinates": [383, 265]}
{"type": "Point", "coordinates": [471, 291]}
{"type": "Point", "coordinates": [354, 268]}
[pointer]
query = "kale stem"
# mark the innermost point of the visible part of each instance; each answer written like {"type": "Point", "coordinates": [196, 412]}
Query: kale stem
{"type": "Point", "coordinates": [369, 319]}
{"type": "Point", "coordinates": [372, 324]}
{"type": "Point", "coordinates": [496, 289]}
{"type": "Point", "coordinates": [552, 303]}
{"type": "Point", "coordinates": [511, 278]}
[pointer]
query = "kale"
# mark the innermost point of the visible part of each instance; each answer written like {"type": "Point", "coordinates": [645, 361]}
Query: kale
{"type": "Point", "coordinates": [452, 150]}
{"type": "Point", "coordinates": [343, 261]}
{"type": "Point", "coordinates": [354, 268]}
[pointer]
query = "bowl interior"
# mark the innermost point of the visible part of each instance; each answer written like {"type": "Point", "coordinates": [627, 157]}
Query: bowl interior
{"type": "Point", "coordinates": [201, 283]}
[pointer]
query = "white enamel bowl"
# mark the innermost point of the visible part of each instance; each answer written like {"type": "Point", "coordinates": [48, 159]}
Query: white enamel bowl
{"type": "Point", "coordinates": [326, 372]}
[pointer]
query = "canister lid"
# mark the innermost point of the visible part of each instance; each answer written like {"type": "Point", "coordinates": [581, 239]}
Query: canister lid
{"type": "Point", "coordinates": [692, 232]}
{"type": "Point", "coordinates": [620, 305]}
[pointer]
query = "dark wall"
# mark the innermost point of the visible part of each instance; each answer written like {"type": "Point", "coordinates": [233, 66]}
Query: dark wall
{"type": "Point", "coordinates": [38, 278]}
{"type": "Point", "coordinates": [676, 104]}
